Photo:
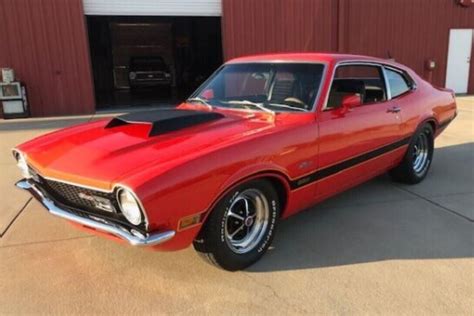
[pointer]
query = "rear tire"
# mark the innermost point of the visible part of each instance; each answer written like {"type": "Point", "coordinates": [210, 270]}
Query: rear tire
{"type": "Point", "coordinates": [241, 227]}
{"type": "Point", "coordinates": [417, 161]}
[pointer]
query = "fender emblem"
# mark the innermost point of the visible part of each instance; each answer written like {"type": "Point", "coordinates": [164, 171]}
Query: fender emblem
{"type": "Point", "coordinates": [305, 164]}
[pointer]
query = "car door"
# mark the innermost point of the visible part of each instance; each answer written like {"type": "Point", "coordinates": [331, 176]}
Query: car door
{"type": "Point", "coordinates": [358, 141]}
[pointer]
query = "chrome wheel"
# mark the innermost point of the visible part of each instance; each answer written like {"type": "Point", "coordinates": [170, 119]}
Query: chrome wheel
{"type": "Point", "coordinates": [246, 220]}
{"type": "Point", "coordinates": [421, 153]}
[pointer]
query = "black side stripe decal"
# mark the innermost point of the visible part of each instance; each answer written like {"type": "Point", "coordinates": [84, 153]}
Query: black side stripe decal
{"type": "Point", "coordinates": [329, 171]}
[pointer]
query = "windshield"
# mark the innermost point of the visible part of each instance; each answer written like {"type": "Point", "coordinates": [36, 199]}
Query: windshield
{"type": "Point", "coordinates": [277, 87]}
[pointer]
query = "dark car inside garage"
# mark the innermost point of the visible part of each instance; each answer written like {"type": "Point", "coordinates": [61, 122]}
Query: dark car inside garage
{"type": "Point", "coordinates": [144, 61]}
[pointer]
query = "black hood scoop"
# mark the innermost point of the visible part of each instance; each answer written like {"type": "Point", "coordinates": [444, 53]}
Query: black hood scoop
{"type": "Point", "coordinates": [165, 120]}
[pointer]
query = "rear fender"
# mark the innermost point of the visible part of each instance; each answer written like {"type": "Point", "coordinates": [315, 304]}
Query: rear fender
{"type": "Point", "coordinates": [432, 120]}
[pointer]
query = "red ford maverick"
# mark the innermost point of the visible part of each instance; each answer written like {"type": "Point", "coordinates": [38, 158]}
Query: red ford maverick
{"type": "Point", "coordinates": [263, 138]}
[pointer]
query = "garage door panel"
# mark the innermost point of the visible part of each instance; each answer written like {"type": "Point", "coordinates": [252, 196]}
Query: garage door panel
{"type": "Point", "coordinates": [153, 7]}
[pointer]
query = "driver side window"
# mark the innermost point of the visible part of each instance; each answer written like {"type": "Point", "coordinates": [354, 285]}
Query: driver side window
{"type": "Point", "coordinates": [361, 82]}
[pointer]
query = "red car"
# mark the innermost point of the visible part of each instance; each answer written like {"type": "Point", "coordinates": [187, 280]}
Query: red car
{"type": "Point", "coordinates": [263, 138]}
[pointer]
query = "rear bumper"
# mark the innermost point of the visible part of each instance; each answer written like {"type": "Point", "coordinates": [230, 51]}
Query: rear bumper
{"type": "Point", "coordinates": [102, 225]}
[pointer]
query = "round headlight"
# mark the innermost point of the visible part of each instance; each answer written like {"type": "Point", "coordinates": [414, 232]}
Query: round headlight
{"type": "Point", "coordinates": [129, 206]}
{"type": "Point", "coordinates": [132, 75]}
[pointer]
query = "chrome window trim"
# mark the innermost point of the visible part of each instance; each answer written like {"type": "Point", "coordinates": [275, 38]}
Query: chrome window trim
{"type": "Point", "coordinates": [411, 82]}
{"type": "Point", "coordinates": [404, 74]}
{"type": "Point", "coordinates": [275, 61]}
{"type": "Point", "coordinates": [387, 85]}
{"type": "Point", "coordinates": [202, 85]}
{"type": "Point", "coordinates": [314, 109]}
{"type": "Point", "coordinates": [352, 63]}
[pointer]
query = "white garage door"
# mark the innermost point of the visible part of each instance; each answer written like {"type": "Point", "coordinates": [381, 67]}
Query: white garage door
{"type": "Point", "coordinates": [153, 7]}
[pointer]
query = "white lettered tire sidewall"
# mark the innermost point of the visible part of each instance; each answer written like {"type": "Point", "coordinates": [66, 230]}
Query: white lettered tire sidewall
{"type": "Point", "coordinates": [212, 240]}
{"type": "Point", "coordinates": [267, 238]}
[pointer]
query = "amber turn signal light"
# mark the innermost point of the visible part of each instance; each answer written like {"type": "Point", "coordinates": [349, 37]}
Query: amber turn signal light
{"type": "Point", "coordinates": [189, 221]}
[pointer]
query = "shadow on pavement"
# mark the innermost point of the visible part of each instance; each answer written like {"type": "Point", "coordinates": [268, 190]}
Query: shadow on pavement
{"type": "Point", "coordinates": [410, 228]}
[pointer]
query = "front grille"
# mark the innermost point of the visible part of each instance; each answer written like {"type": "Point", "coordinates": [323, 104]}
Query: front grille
{"type": "Point", "coordinates": [150, 75]}
{"type": "Point", "coordinates": [71, 194]}
{"type": "Point", "coordinates": [68, 196]}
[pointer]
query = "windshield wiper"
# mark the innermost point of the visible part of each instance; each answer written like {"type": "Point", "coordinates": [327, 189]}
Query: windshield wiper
{"type": "Point", "coordinates": [287, 107]}
{"type": "Point", "coordinates": [256, 105]}
{"type": "Point", "coordinates": [200, 100]}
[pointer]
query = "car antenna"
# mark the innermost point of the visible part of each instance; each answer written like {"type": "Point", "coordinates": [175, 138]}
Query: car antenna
{"type": "Point", "coordinates": [389, 55]}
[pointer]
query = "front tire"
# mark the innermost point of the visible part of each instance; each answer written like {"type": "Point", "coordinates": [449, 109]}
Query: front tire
{"type": "Point", "coordinates": [417, 161]}
{"type": "Point", "coordinates": [241, 227]}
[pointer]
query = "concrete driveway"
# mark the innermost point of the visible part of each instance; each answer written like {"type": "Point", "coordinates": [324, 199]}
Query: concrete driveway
{"type": "Point", "coordinates": [381, 248]}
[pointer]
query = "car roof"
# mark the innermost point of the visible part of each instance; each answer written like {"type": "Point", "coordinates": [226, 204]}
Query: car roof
{"type": "Point", "coordinates": [311, 57]}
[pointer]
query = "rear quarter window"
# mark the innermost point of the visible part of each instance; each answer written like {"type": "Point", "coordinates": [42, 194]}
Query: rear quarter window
{"type": "Point", "coordinates": [397, 82]}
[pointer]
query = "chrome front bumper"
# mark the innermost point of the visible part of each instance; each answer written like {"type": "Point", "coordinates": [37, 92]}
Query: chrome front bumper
{"type": "Point", "coordinates": [103, 225]}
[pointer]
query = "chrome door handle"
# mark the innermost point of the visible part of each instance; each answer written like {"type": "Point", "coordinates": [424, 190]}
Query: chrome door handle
{"type": "Point", "coordinates": [393, 109]}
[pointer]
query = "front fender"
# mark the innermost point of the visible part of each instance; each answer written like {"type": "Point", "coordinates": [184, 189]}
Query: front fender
{"type": "Point", "coordinates": [194, 186]}
{"type": "Point", "coordinates": [252, 171]}
{"type": "Point", "coordinates": [186, 236]}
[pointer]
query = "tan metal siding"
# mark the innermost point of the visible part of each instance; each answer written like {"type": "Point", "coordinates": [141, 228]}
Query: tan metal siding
{"type": "Point", "coordinates": [45, 42]}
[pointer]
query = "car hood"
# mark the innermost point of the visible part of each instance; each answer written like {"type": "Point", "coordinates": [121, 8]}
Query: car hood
{"type": "Point", "coordinates": [102, 153]}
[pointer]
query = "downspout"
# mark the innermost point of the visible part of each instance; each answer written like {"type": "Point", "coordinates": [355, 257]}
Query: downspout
{"type": "Point", "coordinates": [341, 23]}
